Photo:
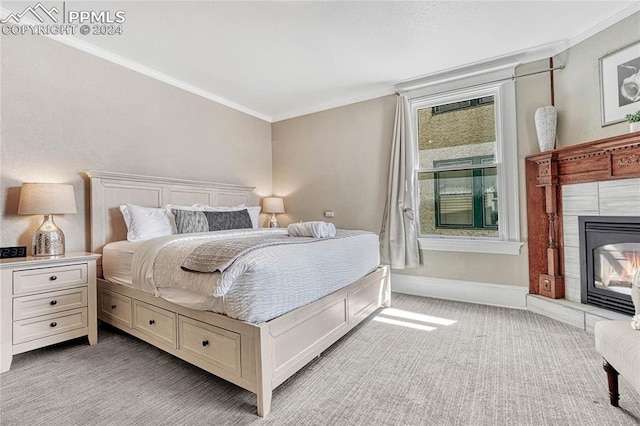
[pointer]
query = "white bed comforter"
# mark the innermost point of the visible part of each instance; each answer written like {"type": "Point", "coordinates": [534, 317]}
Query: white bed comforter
{"type": "Point", "coordinates": [264, 283]}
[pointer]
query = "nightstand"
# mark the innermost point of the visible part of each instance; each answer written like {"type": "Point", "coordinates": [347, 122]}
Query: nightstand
{"type": "Point", "coordinates": [46, 300]}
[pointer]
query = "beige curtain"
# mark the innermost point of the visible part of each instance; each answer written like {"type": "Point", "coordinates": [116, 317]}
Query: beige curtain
{"type": "Point", "coordinates": [399, 234]}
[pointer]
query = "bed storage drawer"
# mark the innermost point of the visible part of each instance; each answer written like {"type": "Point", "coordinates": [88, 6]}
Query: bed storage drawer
{"type": "Point", "coordinates": [211, 344]}
{"type": "Point", "coordinates": [47, 279]}
{"type": "Point", "coordinates": [114, 307]}
{"type": "Point", "coordinates": [364, 300]}
{"type": "Point", "coordinates": [49, 303]}
{"type": "Point", "coordinates": [155, 322]}
{"type": "Point", "coordinates": [48, 325]}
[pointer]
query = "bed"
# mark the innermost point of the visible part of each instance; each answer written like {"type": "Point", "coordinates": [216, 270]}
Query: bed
{"type": "Point", "coordinates": [257, 353]}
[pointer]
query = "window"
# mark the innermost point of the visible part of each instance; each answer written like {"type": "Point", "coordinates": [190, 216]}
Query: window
{"type": "Point", "coordinates": [466, 198]}
{"type": "Point", "coordinates": [457, 168]}
{"type": "Point", "coordinates": [466, 165]}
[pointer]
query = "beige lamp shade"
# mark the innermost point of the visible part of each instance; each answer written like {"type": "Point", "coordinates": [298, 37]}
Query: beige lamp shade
{"type": "Point", "coordinates": [47, 198]}
{"type": "Point", "coordinates": [273, 205]}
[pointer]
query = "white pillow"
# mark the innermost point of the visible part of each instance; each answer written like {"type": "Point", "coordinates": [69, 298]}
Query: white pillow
{"type": "Point", "coordinates": [144, 223]}
{"type": "Point", "coordinates": [205, 207]}
{"type": "Point", "coordinates": [254, 211]}
{"type": "Point", "coordinates": [195, 207]}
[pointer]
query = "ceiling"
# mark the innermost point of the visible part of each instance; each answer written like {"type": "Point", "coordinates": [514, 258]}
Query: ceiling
{"type": "Point", "coordinates": [277, 60]}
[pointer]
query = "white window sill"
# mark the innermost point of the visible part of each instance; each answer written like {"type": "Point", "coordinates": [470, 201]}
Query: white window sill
{"type": "Point", "coordinates": [470, 246]}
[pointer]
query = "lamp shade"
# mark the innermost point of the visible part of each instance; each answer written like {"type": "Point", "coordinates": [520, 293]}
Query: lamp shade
{"type": "Point", "coordinates": [47, 198]}
{"type": "Point", "coordinates": [273, 205]}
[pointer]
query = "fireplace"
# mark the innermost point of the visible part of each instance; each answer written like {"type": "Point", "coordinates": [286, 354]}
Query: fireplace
{"type": "Point", "coordinates": [609, 257]}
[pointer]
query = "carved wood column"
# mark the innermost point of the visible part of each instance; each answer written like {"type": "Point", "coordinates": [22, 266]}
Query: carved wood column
{"type": "Point", "coordinates": [550, 280]}
{"type": "Point", "coordinates": [551, 284]}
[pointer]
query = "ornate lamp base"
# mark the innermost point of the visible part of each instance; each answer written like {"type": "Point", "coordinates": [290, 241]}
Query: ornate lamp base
{"type": "Point", "coordinates": [273, 223]}
{"type": "Point", "coordinates": [48, 240]}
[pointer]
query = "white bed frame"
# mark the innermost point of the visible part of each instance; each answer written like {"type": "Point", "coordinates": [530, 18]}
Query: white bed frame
{"type": "Point", "coordinates": [256, 357]}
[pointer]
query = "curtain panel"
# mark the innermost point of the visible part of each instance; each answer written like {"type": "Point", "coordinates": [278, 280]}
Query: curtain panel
{"type": "Point", "coordinates": [399, 234]}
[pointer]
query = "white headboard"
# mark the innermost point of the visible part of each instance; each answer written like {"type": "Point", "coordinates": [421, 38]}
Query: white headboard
{"type": "Point", "coordinates": [110, 190]}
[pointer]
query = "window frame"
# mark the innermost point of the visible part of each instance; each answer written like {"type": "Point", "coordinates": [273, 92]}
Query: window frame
{"type": "Point", "coordinates": [498, 82]}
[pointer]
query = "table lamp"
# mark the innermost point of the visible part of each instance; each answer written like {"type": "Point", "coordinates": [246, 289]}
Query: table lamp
{"type": "Point", "coordinates": [273, 205]}
{"type": "Point", "coordinates": [47, 199]}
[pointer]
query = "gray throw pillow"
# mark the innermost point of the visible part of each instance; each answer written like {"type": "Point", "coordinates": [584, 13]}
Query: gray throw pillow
{"type": "Point", "coordinates": [188, 221]}
{"type": "Point", "coordinates": [219, 221]}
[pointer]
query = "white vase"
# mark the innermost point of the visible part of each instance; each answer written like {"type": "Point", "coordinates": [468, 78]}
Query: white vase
{"type": "Point", "coordinates": [634, 127]}
{"type": "Point", "coordinates": [546, 119]}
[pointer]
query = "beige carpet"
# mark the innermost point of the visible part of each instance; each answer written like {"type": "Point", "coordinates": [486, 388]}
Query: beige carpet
{"type": "Point", "coordinates": [452, 364]}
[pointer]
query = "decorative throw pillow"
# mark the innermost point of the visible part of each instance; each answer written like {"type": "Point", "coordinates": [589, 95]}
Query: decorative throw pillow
{"type": "Point", "coordinates": [254, 211]}
{"type": "Point", "coordinates": [188, 221]}
{"type": "Point", "coordinates": [219, 221]}
{"type": "Point", "coordinates": [144, 223]}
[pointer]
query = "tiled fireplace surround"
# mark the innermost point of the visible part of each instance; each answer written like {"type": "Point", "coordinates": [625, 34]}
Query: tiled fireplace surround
{"type": "Point", "coordinates": [604, 196]}
{"type": "Point", "coordinates": [610, 198]}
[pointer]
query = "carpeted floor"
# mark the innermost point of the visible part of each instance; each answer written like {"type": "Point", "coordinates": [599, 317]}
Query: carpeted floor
{"type": "Point", "coordinates": [451, 364]}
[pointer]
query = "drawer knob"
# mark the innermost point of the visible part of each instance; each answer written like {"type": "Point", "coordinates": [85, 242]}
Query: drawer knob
{"type": "Point", "coordinates": [53, 324]}
{"type": "Point", "coordinates": [113, 306]}
{"type": "Point", "coordinates": [53, 302]}
{"type": "Point", "coordinates": [205, 343]}
{"type": "Point", "coordinates": [53, 278]}
{"type": "Point", "coordinates": [151, 322]}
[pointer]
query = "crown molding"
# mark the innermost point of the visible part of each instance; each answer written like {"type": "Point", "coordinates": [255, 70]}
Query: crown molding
{"type": "Point", "coordinates": [623, 13]}
{"type": "Point", "coordinates": [499, 63]}
{"type": "Point", "coordinates": [157, 75]}
{"type": "Point", "coordinates": [373, 94]}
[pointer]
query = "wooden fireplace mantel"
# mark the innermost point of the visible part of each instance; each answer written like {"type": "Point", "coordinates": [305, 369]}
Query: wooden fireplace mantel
{"type": "Point", "coordinates": [605, 159]}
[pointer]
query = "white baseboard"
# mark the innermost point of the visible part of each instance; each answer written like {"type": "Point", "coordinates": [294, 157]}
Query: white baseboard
{"type": "Point", "coordinates": [509, 296]}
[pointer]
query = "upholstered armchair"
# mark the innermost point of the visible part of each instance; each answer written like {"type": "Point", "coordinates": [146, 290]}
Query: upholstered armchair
{"type": "Point", "coordinates": [619, 344]}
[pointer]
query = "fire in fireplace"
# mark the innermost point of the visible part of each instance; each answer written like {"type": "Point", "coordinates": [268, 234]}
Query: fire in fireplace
{"type": "Point", "coordinates": [609, 258]}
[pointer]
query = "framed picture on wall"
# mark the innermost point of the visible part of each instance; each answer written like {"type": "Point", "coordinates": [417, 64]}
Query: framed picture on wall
{"type": "Point", "coordinates": [620, 84]}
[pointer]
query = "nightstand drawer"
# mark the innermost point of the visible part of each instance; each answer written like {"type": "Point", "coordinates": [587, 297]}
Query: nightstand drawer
{"type": "Point", "coordinates": [48, 303]}
{"type": "Point", "coordinates": [47, 279]}
{"type": "Point", "coordinates": [212, 344]}
{"type": "Point", "coordinates": [115, 307]}
{"type": "Point", "coordinates": [156, 322]}
{"type": "Point", "coordinates": [48, 325]}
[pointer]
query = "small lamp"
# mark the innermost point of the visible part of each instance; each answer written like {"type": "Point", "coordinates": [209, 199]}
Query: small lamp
{"type": "Point", "coordinates": [47, 199]}
{"type": "Point", "coordinates": [273, 205]}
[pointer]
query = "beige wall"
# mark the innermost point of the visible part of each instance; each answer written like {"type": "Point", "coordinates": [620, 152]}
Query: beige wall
{"type": "Point", "coordinates": [578, 85]}
{"type": "Point", "coordinates": [335, 160]}
{"type": "Point", "coordinates": [65, 111]}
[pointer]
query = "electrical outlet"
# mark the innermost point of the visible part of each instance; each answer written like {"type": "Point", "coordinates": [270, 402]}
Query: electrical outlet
{"type": "Point", "coordinates": [329, 214]}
